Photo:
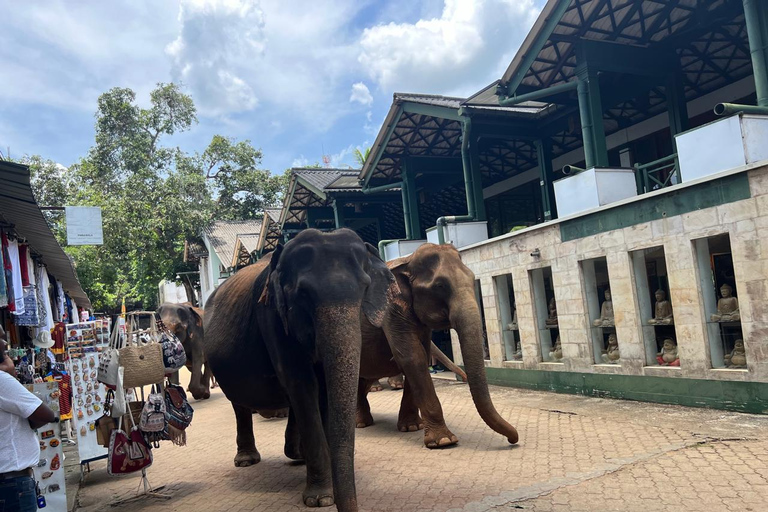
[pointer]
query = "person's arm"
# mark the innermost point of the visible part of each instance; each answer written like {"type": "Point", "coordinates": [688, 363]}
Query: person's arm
{"type": "Point", "coordinates": [42, 416]}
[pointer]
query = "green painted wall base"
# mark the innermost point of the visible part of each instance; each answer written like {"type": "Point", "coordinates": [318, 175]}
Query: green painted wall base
{"type": "Point", "coordinates": [749, 397]}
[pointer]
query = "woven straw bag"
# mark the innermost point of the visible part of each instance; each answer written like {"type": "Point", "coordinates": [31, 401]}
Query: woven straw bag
{"type": "Point", "coordinates": [142, 362]}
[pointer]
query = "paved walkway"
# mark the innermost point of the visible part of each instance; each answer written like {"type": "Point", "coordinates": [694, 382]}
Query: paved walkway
{"type": "Point", "coordinates": [575, 453]}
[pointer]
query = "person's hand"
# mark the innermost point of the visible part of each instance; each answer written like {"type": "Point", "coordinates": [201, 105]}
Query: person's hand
{"type": "Point", "coordinates": [7, 366]}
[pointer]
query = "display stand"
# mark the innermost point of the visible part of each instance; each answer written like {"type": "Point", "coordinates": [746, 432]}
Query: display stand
{"type": "Point", "coordinates": [49, 472]}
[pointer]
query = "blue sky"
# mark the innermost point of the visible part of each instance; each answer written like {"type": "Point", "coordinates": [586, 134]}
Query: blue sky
{"type": "Point", "coordinates": [299, 78]}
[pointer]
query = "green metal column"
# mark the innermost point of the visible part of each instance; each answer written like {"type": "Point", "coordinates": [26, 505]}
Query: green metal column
{"type": "Point", "coordinates": [477, 178]}
{"type": "Point", "coordinates": [410, 203]}
{"type": "Point", "coordinates": [544, 154]}
{"type": "Point", "coordinates": [338, 214]}
{"type": "Point", "coordinates": [591, 113]}
{"type": "Point", "coordinates": [756, 18]}
{"type": "Point", "coordinates": [677, 108]}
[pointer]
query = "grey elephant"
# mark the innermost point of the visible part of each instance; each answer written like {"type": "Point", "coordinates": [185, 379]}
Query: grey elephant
{"type": "Point", "coordinates": [435, 291]}
{"type": "Point", "coordinates": [286, 330]}
{"type": "Point", "coordinates": [186, 321]}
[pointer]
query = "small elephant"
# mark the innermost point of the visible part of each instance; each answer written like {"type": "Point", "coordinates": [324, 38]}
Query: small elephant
{"type": "Point", "coordinates": [435, 291]}
{"type": "Point", "coordinates": [286, 330]}
{"type": "Point", "coordinates": [186, 322]}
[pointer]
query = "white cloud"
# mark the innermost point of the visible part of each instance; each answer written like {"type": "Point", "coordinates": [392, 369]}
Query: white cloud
{"type": "Point", "coordinates": [361, 94]}
{"type": "Point", "coordinates": [211, 55]}
{"type": "Point", "coordinates": [459, 52]}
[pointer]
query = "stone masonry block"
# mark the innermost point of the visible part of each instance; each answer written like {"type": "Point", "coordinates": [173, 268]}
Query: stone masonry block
{"type": "Point", "coordinates": [611, 238]}
{"type": "Point", "coordinates": [758, 182]}
{"type": "Point", "coordinates": [700, 219]}
{"type": "Point", "coordinates": [734, 212]}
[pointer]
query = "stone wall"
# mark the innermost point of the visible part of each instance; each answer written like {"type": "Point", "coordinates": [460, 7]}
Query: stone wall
{"type": "Point", "coordinates": [745, 221]}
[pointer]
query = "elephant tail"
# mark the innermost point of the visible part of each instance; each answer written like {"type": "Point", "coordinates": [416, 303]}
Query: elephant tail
{"type": "Point", "coordinates": [446, 361]}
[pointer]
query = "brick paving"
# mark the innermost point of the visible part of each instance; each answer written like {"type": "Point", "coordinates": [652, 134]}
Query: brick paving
{"type": "Point", "coordinates": [575, 453]}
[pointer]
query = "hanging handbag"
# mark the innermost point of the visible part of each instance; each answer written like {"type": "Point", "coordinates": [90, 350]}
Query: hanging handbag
{"type": "Point", "coordinates": [174, 357]}
{"type": "Point", "coordinates": [142, 358]}
{"type": "Point", "coordinates": [104, 427]}
{"type": "Point", "coordinates": [118, 405]}
{"type": "Point", "coordinates": [178, 408]}
{"type": "Point", "coordinates": [109, 361]}
{"type": "Point", "coordinates": [128, 452]}
{"type": "Point", "coordinates": [153, 414]}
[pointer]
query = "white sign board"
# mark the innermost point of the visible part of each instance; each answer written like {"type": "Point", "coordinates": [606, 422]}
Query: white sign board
{"type": "Point", "coordinates": [84, 225]}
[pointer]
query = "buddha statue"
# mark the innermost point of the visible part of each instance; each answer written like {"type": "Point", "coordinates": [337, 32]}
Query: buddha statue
{"type": "Point", "coordinates": [557, 351]}
{"type": "Point", "coordinates": [512, 326]}
{"type": "Point", "coordinates": [518, 355]}
{"type": "Point", "coordinates": [667, 356]}
{"type": "Point", "coordinates": [738, 356]}
{"type": "Point", "coordinates": [606, 312]}
{"type": "Point", "coordinates": [611, 354]}
{"type": "Point", "coordinates": [552, 319]}
{"type": "Point", "coordinates": [662, 311]}
{"type": "Point", "coordinates": [727, 306]}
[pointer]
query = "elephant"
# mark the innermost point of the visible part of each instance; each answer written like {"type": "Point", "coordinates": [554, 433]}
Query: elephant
{"type": "Point", "coordinates": [285, 331]}
{"type": "Point", "coordinates": [186, 321]}
{"type": "Point", "coordinates": [435, 291]}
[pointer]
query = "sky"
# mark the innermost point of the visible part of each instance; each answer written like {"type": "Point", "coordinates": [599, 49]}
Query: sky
{"type": "Point", "coordinates": [300, 79]}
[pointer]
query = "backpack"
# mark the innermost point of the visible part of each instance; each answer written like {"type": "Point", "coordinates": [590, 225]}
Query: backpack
{"type": "Point", "coordinates": [153, 415]}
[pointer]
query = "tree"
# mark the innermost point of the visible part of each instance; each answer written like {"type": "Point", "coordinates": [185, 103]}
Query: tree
{"type": "Point", "coordinates": [153, 196]}
{"type": "Point", "coordinates": [50, 187]}
{"type": "Point", "coordinates": [362, 156]}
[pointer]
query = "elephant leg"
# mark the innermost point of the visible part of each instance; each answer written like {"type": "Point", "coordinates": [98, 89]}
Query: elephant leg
{"type": "Point", "coordinates": [207, 378]}
{"type": "Point", "coordinates": [174, 378]}
{"type": "Point", "coordinates": [396, 382]}
{"type": "Point", "coordinates": [376, 386]}
{"type": "Point", "coordinates": [364, 418]}
{"type": "Point", "coordinates": [199, 392]}
{"type": "Point", "coordinates": [411, 356]}
{"type": "Point", "coordinates": [409, 420]}
{"type": "Point", "coordinates": [292, 447]}
{"type": "Point", "coordinates": [247, 454]}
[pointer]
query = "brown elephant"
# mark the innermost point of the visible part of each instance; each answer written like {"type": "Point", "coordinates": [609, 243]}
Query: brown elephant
{"type": "Point", "coordinates": [436, 292]}
{"type": "Point", "coordinates": [186, 321]}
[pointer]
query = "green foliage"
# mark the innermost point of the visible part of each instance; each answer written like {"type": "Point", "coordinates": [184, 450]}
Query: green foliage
{"type": "Point", "coordinates": [152, 196]}
{"type": "Point", "coordinates": [362, 156]}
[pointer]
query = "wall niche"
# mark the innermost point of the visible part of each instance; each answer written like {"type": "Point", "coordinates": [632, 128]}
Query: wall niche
{"type": "Point", "coordinates": [597, 289]}
{"type": "Point", "coordinates": [545, 307]}
{"type": "Point", "coordinates": [656, 314]}
{"type": "Point", "coordinates": [721, 303]}
{"type": "Point", "coordinates": [510, 333]}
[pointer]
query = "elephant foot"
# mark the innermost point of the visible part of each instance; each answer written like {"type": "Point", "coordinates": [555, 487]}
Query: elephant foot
{"type": "Point", "coordinates": [439, 438]}
{"type": "Point", "coordinates": [293, 451]}
{"type": "Point", "coordinates": [396, 382]}
{"type": "Point", "coordinates": [247, 458]}
{"type": "Point", "coordinates": [318, 496]}
{"type": "Point", "coordinates": [273, 413]}
{"type": "Point", "coordinates": [375, 387]}
{"type": "Point", "coordinates": [410, 424]}
{"type": "Point", "coordinates": [364, 419]}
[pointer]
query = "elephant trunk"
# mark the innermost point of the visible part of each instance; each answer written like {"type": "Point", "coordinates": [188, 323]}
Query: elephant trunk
{"type": "Point", "coordinates": [339, 343]}
{"type": "Point", "coordinates": [466, 320]}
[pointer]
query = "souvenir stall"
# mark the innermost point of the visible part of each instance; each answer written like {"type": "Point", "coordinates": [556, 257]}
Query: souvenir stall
{"type": "Point", "coordinates": [39, 295]}
{"type": "Point", "coordinates": [141, 408]}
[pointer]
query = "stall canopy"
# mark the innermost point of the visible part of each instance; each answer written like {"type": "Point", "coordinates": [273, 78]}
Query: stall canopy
{"type": "Point", "coordinates": [19, 209]}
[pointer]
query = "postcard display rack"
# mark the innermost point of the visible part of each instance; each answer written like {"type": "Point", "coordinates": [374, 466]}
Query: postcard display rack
{"type": "Point", "coordinates": [49, 472]}
{"type": "Point", "coordinates": [84, 345]}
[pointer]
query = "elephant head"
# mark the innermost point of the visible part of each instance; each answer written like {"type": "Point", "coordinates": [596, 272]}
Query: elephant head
{"type": "Point", "coordinates": [321, 284]}
{"type": "Point", "coordinates": [441, 290]}
{"type": "Point", "coordinates": [186, 322]}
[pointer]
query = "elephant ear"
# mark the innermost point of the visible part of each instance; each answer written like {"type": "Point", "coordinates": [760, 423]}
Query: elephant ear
{"type": "Point", "coordinates": [196, 321]}
{"type": "Point", "coordinates": [381, 289]}
{"type": "Point", "coordinates": [400, 269]}
{"type": "Point", "coordinates": [272, 294]}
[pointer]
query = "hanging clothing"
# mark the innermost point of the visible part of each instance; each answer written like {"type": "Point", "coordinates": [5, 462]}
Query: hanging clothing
{"type": "Point", "coordinates": [62, 302]}
{"type": "Point", "coordinates": [3, 286]}
{"type": "Point", "coordinates": [24, 264]}
{"type": "Point", "coordinates": [68, 310]}
{"type": "Point", "coordinates": [29, 316]}
{"type": "Point", "coordinates": [59, 335]}
{"type": "Point", "coordinates": [45, 299]}
{"type": "Point", "coordinates": [75, 312]}
{"type": "Point", "coordinates": [31, 266]}
{"type": "Point", "coordinates": [17, 288]}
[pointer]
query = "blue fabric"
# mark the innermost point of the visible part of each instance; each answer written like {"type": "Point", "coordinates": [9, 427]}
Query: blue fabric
{"type": "Point", "coordinates": [18, 495]}
{"type": "Point", "coordinates": [31, 316]}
